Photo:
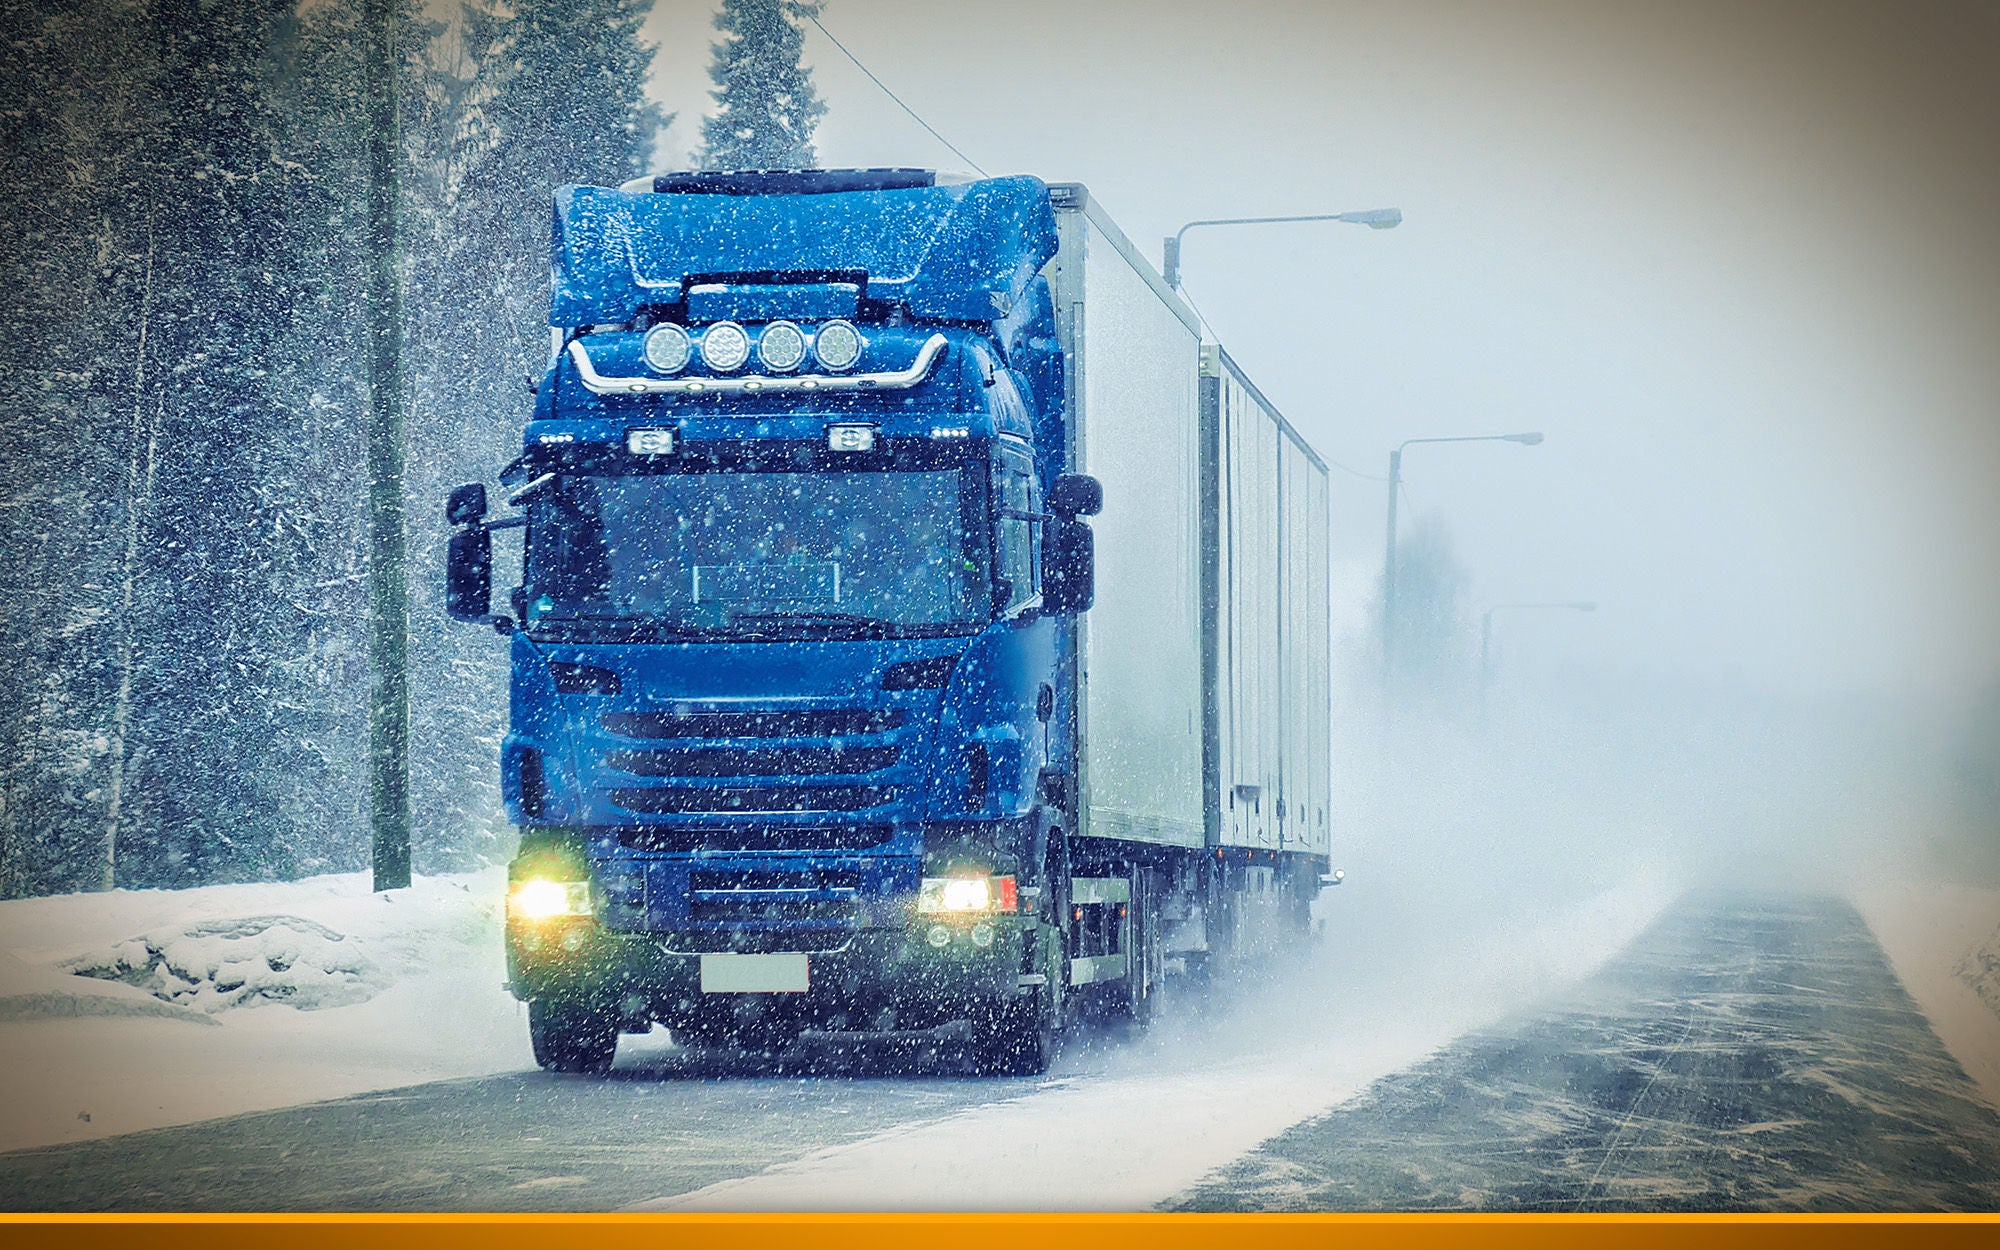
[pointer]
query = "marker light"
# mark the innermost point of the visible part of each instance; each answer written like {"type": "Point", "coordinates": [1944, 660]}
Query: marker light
{"type": "Point", "coordinates": [650, 442]}
{"type": "Point", "coordinates": [782, 347]}
{"type": "Point", "coordinates": [837, 345]}
{"type": "Point", "coordinates": [850, 437]}
{"type": "Point", "coordinates": [668, 348]}
{"type": "Point", "coordinates": [542, 899]}
{"type": "Point", "coordinates": [965, 895]}
{"type": "Point", "coordinates": [724, 347]}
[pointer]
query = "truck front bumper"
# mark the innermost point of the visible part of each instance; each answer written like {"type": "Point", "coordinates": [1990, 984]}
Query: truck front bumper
{"type": "Point", "coordinates": [906, 977]}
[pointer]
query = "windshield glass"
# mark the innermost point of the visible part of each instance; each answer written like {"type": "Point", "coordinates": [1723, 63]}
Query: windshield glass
{"type": "Point", "coordinates": [739, 553]}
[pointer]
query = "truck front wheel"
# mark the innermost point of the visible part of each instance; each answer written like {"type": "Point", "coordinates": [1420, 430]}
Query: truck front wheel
{"type": "Point", "coordinates": [1027, 1029]}
{"type": "Point", "coordinates": [570, 1036]}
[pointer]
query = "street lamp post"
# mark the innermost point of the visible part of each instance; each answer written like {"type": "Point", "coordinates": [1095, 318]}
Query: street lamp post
{"type": "Point", "coordinates": [1486, 639]}
{"type": "Point", "coordinates": [1170, 248]}
{"type": "Point", "coordinates": [1528, 439]}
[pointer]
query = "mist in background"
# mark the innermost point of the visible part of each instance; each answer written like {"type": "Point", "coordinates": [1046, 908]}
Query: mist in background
{"type": "Point", "coordinates": [1735, 262]}
{"type": "Point", "coordinates": [1735, 265]}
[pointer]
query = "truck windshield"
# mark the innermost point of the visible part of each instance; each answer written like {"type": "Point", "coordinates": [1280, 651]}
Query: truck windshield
{"type": "Point", "coordinates": [758, 554]}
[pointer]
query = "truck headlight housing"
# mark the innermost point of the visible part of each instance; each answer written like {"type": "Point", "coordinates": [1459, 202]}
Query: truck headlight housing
{"type": "Point", "coordinates": [668, 348]}
{"type": "Point", "coordinates": [725, 346]}
{"type": "Point", "coordinates": [967, 896]}
{"type": "Point", "coordinates": [539, 898]}
{"type": "Point", "coordinates": [837, 345]}
{"type": "Point", "coordinates": [782, 347]}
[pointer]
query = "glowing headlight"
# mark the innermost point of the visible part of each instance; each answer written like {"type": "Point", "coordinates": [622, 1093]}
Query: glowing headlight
{"type": "Point", "coordinates": [540, 899]}
{"type": "Point", "coordinates": [965, 895]}
{"type": "Point", "coordinates": [782, 347]}
{"type": "Point", "coordinates": [668, 348]}
{"type": "Point", "coordinates": [725, 346]}
{"type": "Point", "coordinates": [837, 345]}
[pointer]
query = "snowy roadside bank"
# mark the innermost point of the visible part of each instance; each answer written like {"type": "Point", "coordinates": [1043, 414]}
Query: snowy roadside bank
{"type": "Point", "coordinates": [1944, 943]}
{"type": "Point", "coordinates": [240, 998]}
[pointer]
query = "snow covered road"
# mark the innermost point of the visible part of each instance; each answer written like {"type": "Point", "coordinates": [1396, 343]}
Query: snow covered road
{"type": "Point", "coordinates": [1749, 1052]}
{"type": "Point", "coordinates": [1174, 1116]}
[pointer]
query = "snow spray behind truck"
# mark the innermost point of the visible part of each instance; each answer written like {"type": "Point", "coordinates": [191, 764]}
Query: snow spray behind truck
{"type": "Point", "coordinates": [919, 628]}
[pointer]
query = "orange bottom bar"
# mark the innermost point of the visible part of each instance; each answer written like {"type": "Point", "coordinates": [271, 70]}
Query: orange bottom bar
{"type": "Point", "coordinates": [1013, 1232]}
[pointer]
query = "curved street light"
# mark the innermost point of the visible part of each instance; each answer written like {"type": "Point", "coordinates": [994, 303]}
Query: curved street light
{"type": "Point", "coordinates": [1170, 248]}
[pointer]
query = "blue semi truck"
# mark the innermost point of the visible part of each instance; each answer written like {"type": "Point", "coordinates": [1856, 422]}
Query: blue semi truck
{"type": "Point", "coordinates": [919, 626]}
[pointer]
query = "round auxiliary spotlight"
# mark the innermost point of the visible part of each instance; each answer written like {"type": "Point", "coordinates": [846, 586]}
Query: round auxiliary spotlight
{"type": "Point", "coordinates": [837, 345]}
{"type": "Point", "coordinates": [668, 348]}
{"type": "Point", "coordinates": [724, 347]}
{"type": "Point", "coordinates": [782, 347]}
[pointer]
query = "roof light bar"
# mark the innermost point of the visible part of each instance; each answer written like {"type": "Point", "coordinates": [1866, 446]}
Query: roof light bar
{"type": "Point", "coordinates": [600, 384]}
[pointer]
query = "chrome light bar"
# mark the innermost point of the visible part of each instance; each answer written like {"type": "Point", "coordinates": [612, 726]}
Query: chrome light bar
{"type": "Point", "coordinates": [919, 369]}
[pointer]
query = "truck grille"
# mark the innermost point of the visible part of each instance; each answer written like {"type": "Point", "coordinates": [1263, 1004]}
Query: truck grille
{"type": "Point", "coordinates": [807, 723]}
{"type": "Point", "coordinates": [673, 839]}
{"type": "Point", "coordinates": [753, 762]}
{"type": "Point", "coordinates": [753, 799]}
{"type": "Point", "coordinates": [766, 897]}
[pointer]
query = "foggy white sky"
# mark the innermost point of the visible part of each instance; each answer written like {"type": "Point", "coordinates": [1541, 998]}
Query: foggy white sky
{"type": "Point", "coordinates": [1735, 265]}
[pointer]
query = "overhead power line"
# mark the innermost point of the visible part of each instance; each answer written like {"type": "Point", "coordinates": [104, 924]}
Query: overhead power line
{"type": "Point", "coordinates": [978, 169]}
{"type": "Point", "coordinates": [893, 96]}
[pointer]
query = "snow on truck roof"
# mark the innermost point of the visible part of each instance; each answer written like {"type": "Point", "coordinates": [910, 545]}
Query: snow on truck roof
{"type": "Point", "coordinates": [945, 251]}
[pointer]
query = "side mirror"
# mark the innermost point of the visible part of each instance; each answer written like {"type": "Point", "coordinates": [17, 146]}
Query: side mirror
{"type": "Point", "coordinates": [466, 504]}
{"type": "Point", "coordinates": [468, 572]}
{"type": "Point", "coordinates": [1069, 566]}
{"type": "Point", "coordinates": [1075, 495]}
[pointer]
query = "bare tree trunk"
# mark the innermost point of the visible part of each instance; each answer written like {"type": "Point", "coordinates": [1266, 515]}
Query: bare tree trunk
{"type": "Point", "coordinates": [142, 467]}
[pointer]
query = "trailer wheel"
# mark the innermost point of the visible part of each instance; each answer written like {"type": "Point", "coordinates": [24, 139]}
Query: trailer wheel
{"type": "Point", "coordinates": [1028, 1029]}
{"type": "Point", "coordinates": [570, 1036]}
{"type": "Point", "coordinates": [1146, 965]}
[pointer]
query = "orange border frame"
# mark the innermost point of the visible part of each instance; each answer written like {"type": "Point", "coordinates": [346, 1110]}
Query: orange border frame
{"type": "Point", "coordinates": [979, 1232]}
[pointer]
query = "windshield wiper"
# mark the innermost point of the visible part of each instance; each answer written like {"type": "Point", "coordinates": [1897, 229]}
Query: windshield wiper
{"type": "Point", "coordinates": [872, 623]}
{"type": "Point", "coordinates": [629, 628]}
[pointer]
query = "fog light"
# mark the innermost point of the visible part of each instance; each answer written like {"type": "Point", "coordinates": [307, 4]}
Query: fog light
{"type": "Point", "coordinates": [939, 936]}
{"type": "Point", "coordinates": [573, 940]}
{"type": "Point", "coordinates": [982, 935]}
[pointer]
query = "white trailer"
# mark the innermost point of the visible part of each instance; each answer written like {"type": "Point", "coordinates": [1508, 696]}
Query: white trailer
{"type": "Point", "coordinates": [1203, 700]}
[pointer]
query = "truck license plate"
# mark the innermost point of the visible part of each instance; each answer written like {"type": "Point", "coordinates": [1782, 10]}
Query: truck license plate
{"type": "Point", "coordinates": [784, 973]}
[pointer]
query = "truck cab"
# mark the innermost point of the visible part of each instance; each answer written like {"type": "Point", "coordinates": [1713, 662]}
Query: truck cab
{"type": "Point", "coordinates": [800, 563]}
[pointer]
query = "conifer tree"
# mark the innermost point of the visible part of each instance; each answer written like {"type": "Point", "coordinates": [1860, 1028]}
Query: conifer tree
{"type": "Point", "coordinates": [767, 109]}
{"type": "Point", "coordinates": [537, 93]}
